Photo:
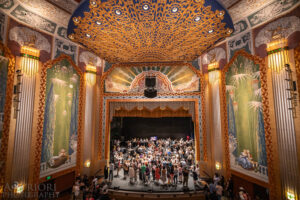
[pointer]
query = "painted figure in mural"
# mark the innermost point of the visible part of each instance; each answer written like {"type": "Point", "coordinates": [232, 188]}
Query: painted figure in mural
{"type": "Point", "coordinates": [3, 80]}
{"type": "Point", "coordinates": [59, 142]}
{"type": "Point", "coordinates": [245, 120]}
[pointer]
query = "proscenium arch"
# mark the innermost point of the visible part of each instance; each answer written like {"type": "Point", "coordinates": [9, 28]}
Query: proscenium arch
{"type": "Point", "coordinates": [104, 96]}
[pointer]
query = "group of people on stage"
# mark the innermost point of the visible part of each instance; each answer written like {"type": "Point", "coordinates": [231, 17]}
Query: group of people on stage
{"type": "Point", "coordinates": [163, 161]}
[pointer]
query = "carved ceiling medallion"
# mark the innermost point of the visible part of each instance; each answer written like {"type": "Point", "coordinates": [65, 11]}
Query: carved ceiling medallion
{"type": "Point", "coordinates": [122, 31]}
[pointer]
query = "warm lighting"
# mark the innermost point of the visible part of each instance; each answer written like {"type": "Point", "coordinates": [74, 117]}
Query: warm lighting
{"type": "Point", "coordinates": [290, 196]}
{"type": "Point", "coordinates": [19, 189]}
{"type": "Point", "coordinates": [29, 61]}
{"type": "Point", "coordinates": [213, 72]}
{"type": "Point", "coordinates": [90, 75]}
{"type": "Point", "coordinates": [87, 163]}
{"type": "Point", "coordinates": [218, 166]}
{"type": "Point", "coordinates": [277, 54]}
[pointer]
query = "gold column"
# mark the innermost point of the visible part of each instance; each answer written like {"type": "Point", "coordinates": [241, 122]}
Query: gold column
{"type": "Point", "coordinates": [90, 80]}
{"type": "Point", "coordinates": [28, 63]}
{"type": "Point", "coordinates": [278, 57]}
{"type": "Point", "coordinates": [215, 118]}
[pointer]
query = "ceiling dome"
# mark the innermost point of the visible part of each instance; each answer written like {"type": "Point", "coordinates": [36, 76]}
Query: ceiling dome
{"type": "Point", "coordinates": [122, 31]}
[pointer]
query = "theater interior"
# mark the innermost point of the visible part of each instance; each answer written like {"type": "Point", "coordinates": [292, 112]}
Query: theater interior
{"type": "Point", "coordinates": [150, 99]}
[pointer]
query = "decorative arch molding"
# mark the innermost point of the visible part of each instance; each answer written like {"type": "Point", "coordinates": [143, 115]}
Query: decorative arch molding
{"type": "Point", "coordinates": [40, 121]}
{"type": "Point", "coordinates": [132, 71]}
{"type": "Point", "coordinates": [271, 184]}
{"type": "Point", "coordinates": [6, 54]}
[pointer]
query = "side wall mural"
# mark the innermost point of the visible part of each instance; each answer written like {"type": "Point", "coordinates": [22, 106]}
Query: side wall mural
{"type": "Point", "coordinates": [178, 79]}
{"type": "Point", "coordinates": [59, 142]}
{"type": "Point", "coordinates": [246, 130]}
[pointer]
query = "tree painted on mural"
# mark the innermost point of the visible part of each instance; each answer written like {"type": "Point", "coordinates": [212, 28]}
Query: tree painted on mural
{"type": "Point", "coordinates": [245, 119]}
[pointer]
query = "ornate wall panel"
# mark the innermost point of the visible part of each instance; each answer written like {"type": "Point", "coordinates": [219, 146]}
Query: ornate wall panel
{"type": "Point", "coordinates": [249, 144]}
{"type": "Point", "coordinates": [65, 47]}
{"type": "Point", "coordinates": [2, 27]}
{"type": "Point", "coordinates": [239, 156]}
{"type": "Point", "coordinates": [243, 41]}
{"type": "Point", "coordinates": [33, 19]}
{"type": "Point", "coordinates": [7, 69]}
{"type": "Point", "coordinates": [61, 108]}
{"type": "Point", "coordinates": [270, 11]}
{"type": "Point", "coordinates": [245, 118]}
{"type": "Point", "coordinates": [19, 35]}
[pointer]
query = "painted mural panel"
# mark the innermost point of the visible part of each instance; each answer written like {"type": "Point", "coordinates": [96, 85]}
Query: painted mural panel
{"type": "Point", "coordinates": [2, 27]}
{"type": "Point", "coordinates": [169, 79]}
{"type": "Point", "coordinates": [3, 82]}
{"type": "Point", "coordinates": [64, 47]}
{"type": "Point", "coordinates": [243, 41]}
{"type": "Point", "coordinates": [59, 143]}
{"type": "Point", "coordinates": [6, 4]}
{"type": "Point", "coordinates": [245, 119]}
{"type": "Point", "coordinates": [33, 20]}
{"type": "Point", "coordinates": [240, 27]}
{"type": "Point", "coordinates": [270, 11]}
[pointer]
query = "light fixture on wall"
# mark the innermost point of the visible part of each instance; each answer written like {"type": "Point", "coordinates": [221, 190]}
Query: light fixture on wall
{"type": "Point", "coordinates": [29, 62]}
{"type": "Point", "coordinates": [19, 188]}
{"type": "Point", "coordinates": [213, 72]}
{"type": "Point", "coordinates": [218, 166]}
{"type": "Point", "coordinates": [87, 163]}
{"type": "Point", "coordinates": [90, 74]}
{"type": "Point", "coordinates": [278, 54]}
{"type": "Point", "coordinates": [290, 196]}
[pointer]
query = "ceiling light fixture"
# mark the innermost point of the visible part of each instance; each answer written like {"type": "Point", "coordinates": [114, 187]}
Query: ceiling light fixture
{"type": "Point", "coordinates": [174, 9]}
{"type": "Point", "coordinates": [145, 7]}
{"type": "Point", "coordinates": [197, 19]}
{"type": "Point", "coordinates": [118, 12]}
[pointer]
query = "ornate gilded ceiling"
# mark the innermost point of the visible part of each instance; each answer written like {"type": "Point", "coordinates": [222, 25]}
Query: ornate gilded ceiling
{"type": "Point", "coordinates": [122, 31]}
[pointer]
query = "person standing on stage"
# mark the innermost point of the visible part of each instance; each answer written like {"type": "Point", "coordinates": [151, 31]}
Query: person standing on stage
{"type": "Point", "coordinates": [111, 171]}
{"type": "Point", "coordinates": [185, 177]}
{"type": "Point", "coordinates": [105, 172]}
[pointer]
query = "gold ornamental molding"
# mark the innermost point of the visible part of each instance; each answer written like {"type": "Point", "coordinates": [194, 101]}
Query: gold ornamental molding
{"type": "Point", "coordinates": [41, 110]}
{"type": "Point", "coordinates": [7, 110]}
{"type": "Point", "coordinates": [266, 115]}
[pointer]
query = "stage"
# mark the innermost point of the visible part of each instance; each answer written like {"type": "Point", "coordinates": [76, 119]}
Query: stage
{"type": "Point", "coordinates": [120, 183]}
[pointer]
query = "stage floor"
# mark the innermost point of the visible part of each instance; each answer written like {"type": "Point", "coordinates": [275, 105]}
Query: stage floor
{"type": "Point", "coordinates": [140, 187]}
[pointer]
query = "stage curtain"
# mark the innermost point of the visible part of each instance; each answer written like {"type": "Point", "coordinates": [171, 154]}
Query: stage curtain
{"type": "Point", "coordinates": [152, 109]}
{"type": "Point", "coordinates": [155, 113]}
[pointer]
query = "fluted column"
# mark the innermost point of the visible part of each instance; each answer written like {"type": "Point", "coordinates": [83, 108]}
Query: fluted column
{"type": "Point", "coordinates": [215, 117]}
{"type": "Point", "coordinates": [90, 81]}
{"type": "Point", "coordinates": [280, 67]}
{"type": "Point", "coordinates": [28, 64]}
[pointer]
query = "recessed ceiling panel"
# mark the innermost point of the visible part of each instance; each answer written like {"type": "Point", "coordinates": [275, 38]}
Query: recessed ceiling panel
{"type": "Point", "coordinates": [122, 31]}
